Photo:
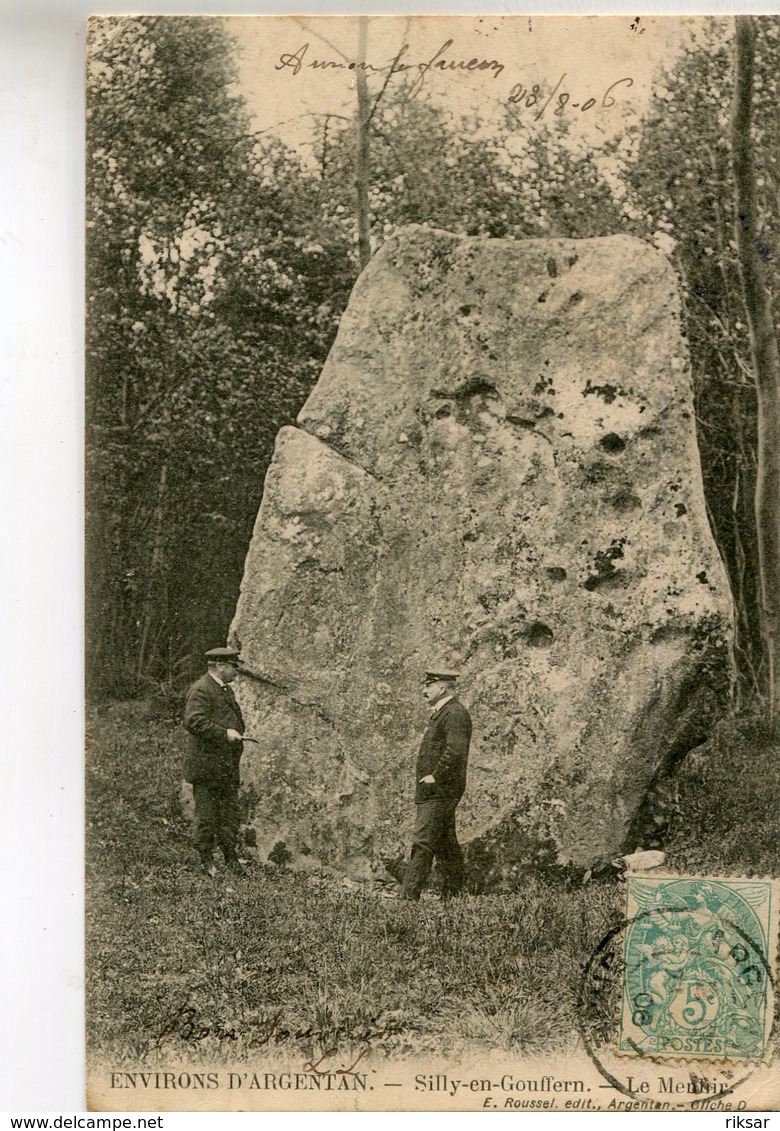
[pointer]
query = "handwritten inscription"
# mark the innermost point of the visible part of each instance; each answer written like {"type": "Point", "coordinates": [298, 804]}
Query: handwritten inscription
{"type": "Point", "coordinates": [446, 61]}
{"type": "Point", "coordinates": [187, 1025]}
{"type": "Point", "coordinates": [441, 61]}
{"type": "Point", "coordinates": [539, 101]}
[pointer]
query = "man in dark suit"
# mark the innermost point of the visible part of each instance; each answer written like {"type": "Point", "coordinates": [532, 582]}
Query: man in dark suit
{"type": "Point", "coordinates": [215, 725]}
{"type": "Point", "coordinates": [440, 784]}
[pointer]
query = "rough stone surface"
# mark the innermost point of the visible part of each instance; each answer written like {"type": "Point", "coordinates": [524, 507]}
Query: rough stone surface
{"type": "Point", "coordinates": [497, 468]}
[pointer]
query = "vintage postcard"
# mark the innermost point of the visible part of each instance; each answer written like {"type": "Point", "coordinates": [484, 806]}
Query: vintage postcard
{"type": "Point", "coordinates": [432, 485]}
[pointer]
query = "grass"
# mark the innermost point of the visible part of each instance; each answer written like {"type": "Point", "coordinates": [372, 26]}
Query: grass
{"type": "Point", "coordinates": [211, 970]}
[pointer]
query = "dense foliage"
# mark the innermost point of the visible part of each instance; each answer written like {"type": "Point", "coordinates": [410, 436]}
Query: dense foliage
{"type": "Point", "coordinates": [428, 167]}
{"type": "Point", "coordinates": [682, 186]}
{"type": "Point", "coordinates": [210, 312]}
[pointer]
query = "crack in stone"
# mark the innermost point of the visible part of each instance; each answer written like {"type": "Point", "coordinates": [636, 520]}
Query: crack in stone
{"type": "Point", "coordinates": [347, 459]}
{"type": "Point", "coordinates": [245, 671]}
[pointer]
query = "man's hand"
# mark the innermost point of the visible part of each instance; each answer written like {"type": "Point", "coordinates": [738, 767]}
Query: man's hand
{"type": "Point", "coordinates": [429, 779]}
{"type": "Point", "coordinates": [234, 736]}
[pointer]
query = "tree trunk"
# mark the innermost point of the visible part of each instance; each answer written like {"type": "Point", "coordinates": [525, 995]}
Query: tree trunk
{"type": "Point", "coordinates": [765, 359]}
{"type": "Point", "coordinates": [361, 147]}
{"type": "Point", "coordinates": [150, 611]}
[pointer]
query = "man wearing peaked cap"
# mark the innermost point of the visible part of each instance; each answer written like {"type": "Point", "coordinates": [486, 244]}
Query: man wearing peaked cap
{"type": "Point", "coordinates": [222, 655]}
{"type": "Point", "coordinates": [440, 781]}
{"type": "Point", "coordinates": [440, 674]}
{"type": "Point", "coordinates": [215, 728]}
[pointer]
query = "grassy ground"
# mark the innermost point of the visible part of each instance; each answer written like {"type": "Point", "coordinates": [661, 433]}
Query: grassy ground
{"type": "Point", "coordinates": [182, 964]}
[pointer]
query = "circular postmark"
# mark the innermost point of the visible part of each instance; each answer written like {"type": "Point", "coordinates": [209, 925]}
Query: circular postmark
{"type": "Point", "coordinates": [675, 1003]}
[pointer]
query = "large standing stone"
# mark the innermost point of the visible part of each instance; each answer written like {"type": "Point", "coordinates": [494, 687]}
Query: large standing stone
{"type": "Point", "coordinates": [498, 467]}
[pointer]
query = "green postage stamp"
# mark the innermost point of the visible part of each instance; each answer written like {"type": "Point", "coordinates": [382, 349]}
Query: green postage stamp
{"type": "Point", "coordinates": [699, 968]}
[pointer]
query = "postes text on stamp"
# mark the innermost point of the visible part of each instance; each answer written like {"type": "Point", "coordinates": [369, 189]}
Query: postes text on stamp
{"type": "Point", "coordinates": [698, 972]}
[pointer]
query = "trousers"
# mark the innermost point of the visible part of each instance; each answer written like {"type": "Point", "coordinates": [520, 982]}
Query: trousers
{"type": "Point", "coordinates": [434, 837]}
{"type": "Point", "coordinates": [216, 819]}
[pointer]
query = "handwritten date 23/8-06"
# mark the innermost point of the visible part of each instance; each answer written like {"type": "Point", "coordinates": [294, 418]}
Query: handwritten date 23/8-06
{"type": "Point", "coordinates": [536, 98]}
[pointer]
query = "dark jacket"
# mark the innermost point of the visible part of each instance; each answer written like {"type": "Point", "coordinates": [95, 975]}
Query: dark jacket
{"type": "Point", "coordinates": [210, 711]}
{"type": "Point", "coordinates": [444, 752]}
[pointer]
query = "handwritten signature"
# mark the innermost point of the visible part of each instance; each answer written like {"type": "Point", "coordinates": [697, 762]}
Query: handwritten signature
{"type": "Point", "coordinates": [440, 61]}
{"type": "Point", "coordinates": [186, 1024]}
{"type": "Point", "coordinates": [521, 96]}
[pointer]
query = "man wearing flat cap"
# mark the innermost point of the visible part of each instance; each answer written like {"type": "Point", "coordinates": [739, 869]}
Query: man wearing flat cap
{"type": "Point", "coordinates": [215, 725]}
{"type": "Point", "coordinates": [440, 783]}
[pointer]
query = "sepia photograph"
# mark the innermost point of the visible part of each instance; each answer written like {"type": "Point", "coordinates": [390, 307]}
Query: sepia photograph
{"type": "Point", "coordinates": [432, 563]}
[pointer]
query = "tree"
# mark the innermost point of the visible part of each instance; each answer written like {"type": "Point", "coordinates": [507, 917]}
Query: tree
{"type": "Point", "coordinates": [681, 194]}
{"type": "Point", "coordinates": [428, 167]}
{"type": "Point", "coordinates": [362, 143]}
{"type": "Point", "coordinates": [753, 255]}
{"type": "Point", "coordinates": [211, 307]}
